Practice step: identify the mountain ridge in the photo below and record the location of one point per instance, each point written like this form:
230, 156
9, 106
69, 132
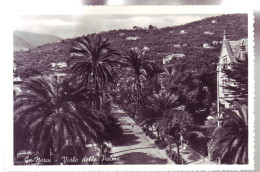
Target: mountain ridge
32, 40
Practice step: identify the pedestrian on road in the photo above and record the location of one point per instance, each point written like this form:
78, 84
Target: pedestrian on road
133, 125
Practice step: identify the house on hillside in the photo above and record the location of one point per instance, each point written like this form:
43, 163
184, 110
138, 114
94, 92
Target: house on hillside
208, 33
58, 66
132, 38
213, 21
177, 45
169, 57
17, 83
171, 31
230, 51
206, 45
215, 42
184, 45
183, 32
145, 48
121, 34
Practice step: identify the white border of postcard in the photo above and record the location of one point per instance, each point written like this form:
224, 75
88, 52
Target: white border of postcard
149, 10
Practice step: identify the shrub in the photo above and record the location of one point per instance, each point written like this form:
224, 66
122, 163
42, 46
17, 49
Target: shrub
162, 145
175, 157
150, 134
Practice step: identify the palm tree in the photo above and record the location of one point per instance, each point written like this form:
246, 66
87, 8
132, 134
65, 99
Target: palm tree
50, 115
230, 141
140, 66
157, 105
93, 57
167, 74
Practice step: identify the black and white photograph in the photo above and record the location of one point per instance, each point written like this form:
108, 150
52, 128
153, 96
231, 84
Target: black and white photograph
131, 89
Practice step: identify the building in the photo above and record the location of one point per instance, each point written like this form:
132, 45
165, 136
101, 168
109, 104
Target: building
121, 34
133, 38
208, 33
230, 51
177, 45
206, 45
171, 31
145, 48
183, 32
60, 65
213, 21
215, 42
169, 57
17, 83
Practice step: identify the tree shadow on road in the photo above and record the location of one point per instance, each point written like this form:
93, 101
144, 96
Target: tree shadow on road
130, 139
141, 158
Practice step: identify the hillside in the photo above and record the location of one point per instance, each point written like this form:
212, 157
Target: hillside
160, 41
20, 44
25, 40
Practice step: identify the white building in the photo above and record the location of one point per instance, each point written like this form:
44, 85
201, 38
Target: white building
207, 45
171, 31
183, 32
59, 65
168, 58
215, 42
177, 45
133, 38
213, 21
145, 48
229, 52
208, 33
121, 34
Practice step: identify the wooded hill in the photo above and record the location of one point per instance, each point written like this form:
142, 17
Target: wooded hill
160, 41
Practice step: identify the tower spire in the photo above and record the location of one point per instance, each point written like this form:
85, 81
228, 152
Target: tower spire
224, 35
242, 49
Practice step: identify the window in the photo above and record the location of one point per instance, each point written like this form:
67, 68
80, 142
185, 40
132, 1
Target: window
225, 83
225, 63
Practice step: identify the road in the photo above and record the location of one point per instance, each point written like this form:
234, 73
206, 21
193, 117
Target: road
137, 149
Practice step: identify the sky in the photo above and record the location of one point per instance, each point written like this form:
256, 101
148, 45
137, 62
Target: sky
69, 26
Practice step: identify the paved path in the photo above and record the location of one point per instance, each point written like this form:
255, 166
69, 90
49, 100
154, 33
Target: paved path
137, 149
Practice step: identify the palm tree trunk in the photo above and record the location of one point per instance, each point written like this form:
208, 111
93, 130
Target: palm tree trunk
158, 133
102, 96
138, 101
140, 90
178, 149
56, 145
96, 88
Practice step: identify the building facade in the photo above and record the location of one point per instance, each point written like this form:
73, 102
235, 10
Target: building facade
230, 51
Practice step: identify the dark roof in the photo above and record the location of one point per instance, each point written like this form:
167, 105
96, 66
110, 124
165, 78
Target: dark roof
233, 48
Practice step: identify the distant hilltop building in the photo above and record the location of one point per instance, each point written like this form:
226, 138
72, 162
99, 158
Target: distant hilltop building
230, 51
121, 34
132, 38
169, 57
207, 46
215, 42
59, 65
183, 32
177, 45
171, 31
213, 21
145, 48
208, 33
